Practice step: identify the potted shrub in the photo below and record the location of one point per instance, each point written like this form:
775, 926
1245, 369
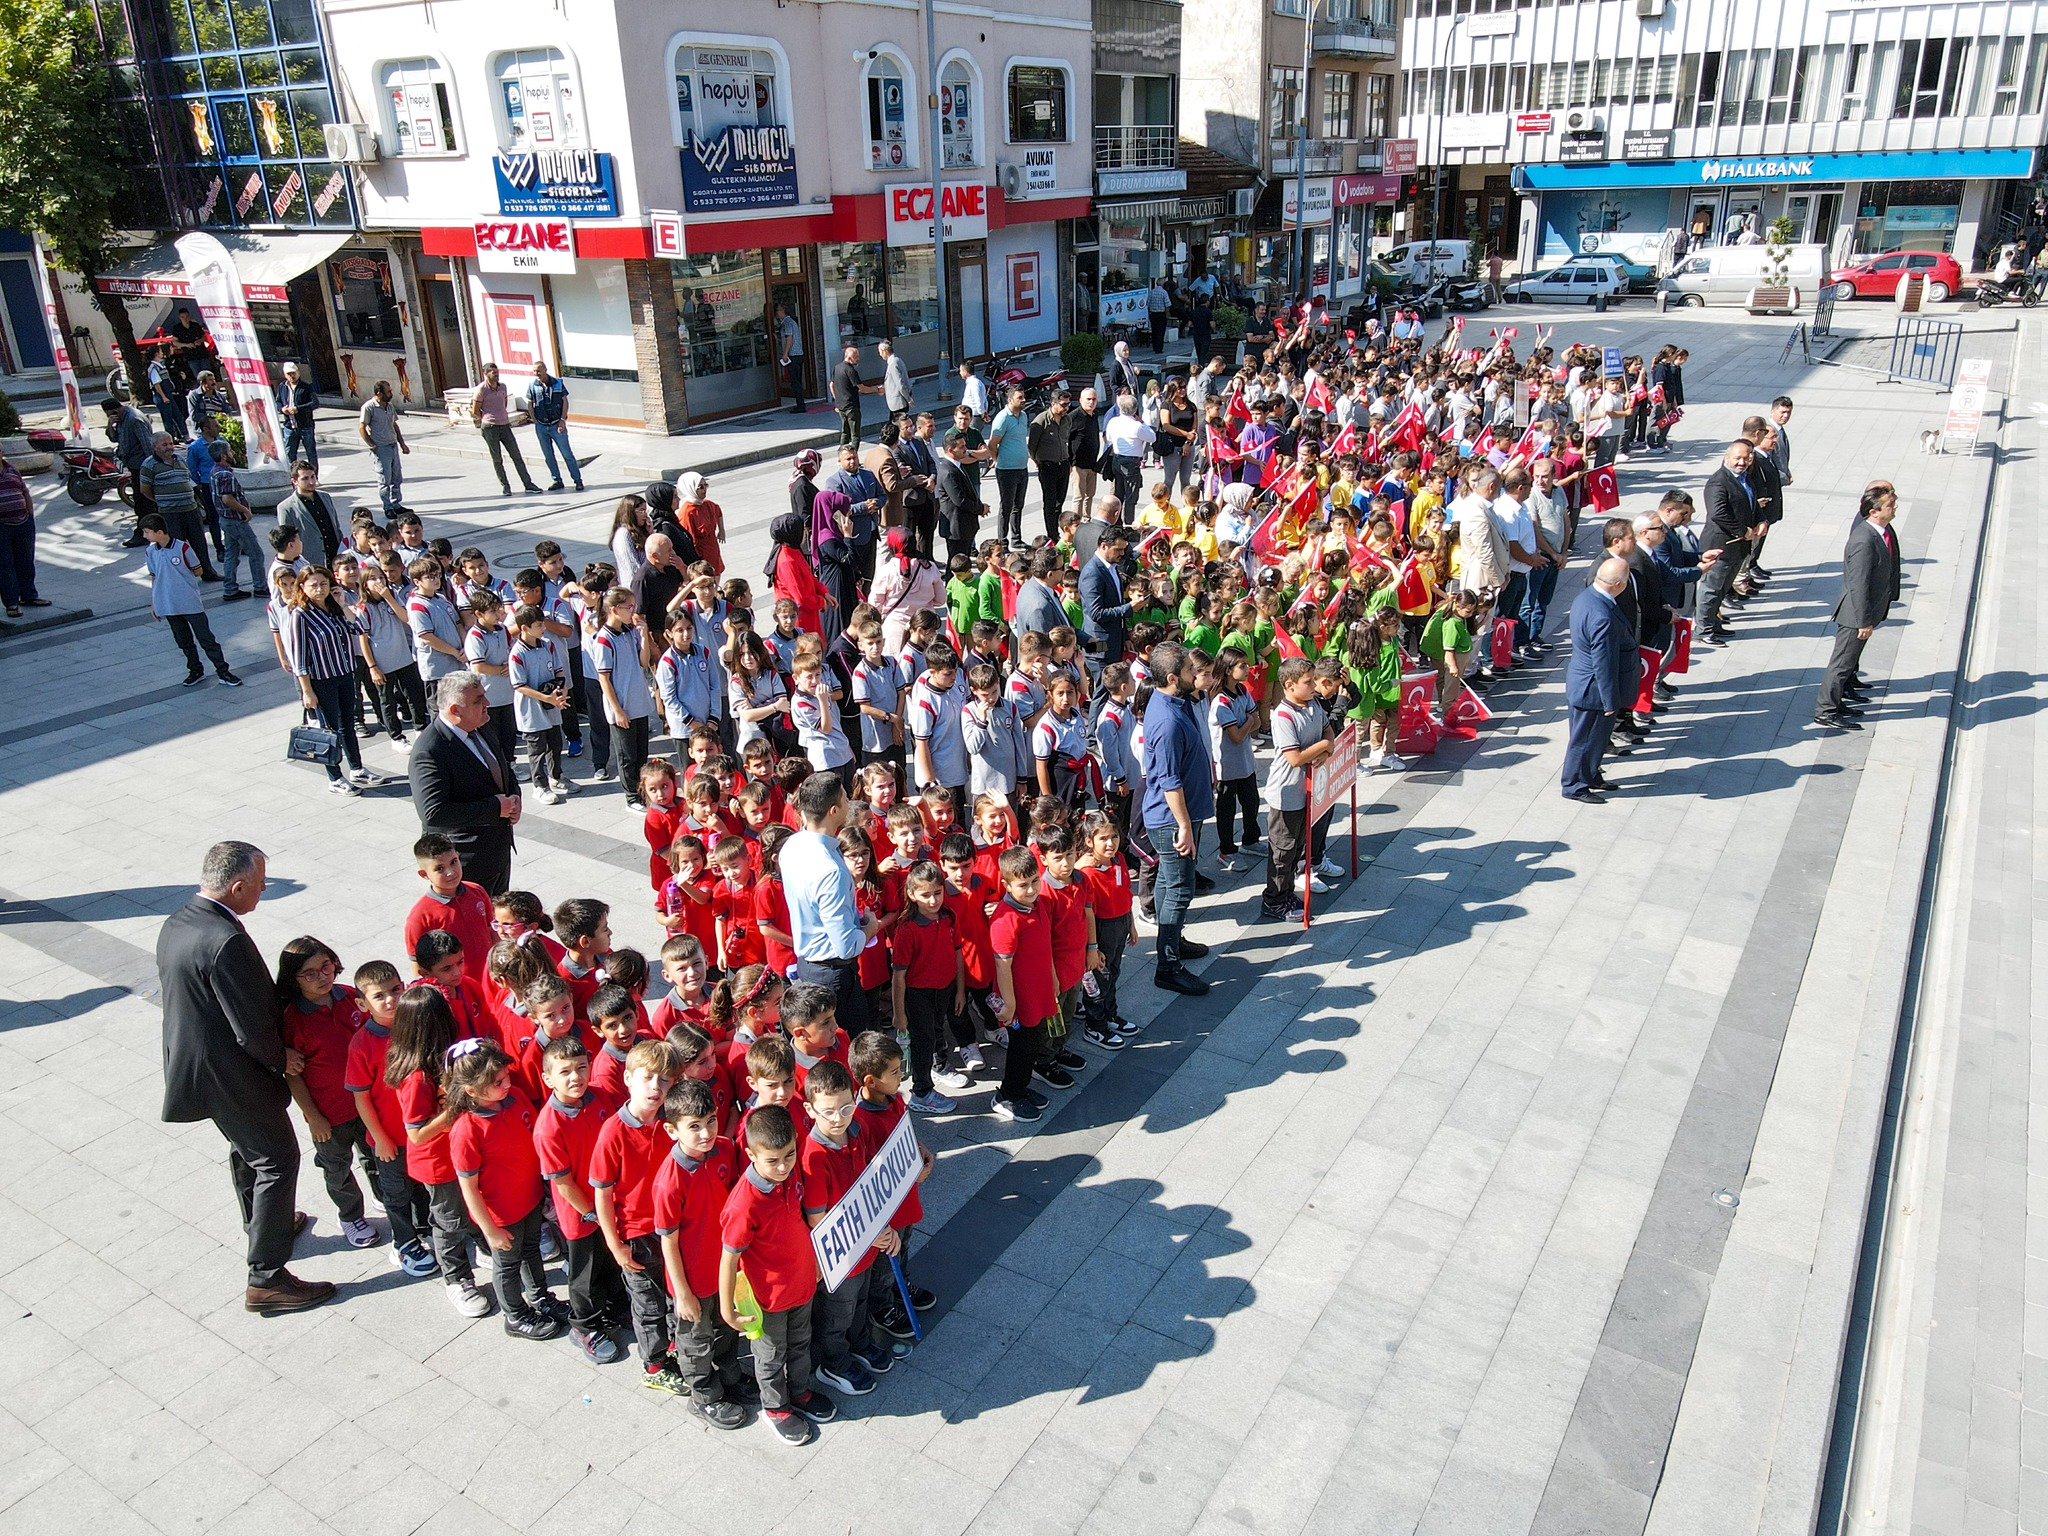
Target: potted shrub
1081, 355
1774, 296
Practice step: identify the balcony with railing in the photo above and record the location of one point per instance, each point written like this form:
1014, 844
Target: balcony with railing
1371, 157
1371, 35
1137, 147
1320, 154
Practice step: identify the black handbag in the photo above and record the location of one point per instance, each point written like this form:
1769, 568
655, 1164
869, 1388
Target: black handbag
312, 743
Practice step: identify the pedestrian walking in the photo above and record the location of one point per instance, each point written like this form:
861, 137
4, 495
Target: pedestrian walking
547, 402
377, 425
490, 407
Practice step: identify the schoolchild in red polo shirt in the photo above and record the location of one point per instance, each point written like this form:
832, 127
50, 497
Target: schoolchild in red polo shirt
319, 1020
519, 915
810, 1016
514, 966
930, 981
423, 1030
876, 1063
584, 926
1027, 995
663, 823
771, 905
550, 1016
618, 1031
699, 1061
627, 967
451, 903
1108, 880
765, 1237
379, 988
443, 965
1064, 900
971, 898
689, 901
565, 1132
690, 1193
628, 1155
491, 1144
739, 935
683, 967
830, 1159
771, 1083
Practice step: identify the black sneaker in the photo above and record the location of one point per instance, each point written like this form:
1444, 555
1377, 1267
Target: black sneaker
229, 680
1192, 949
1073, 1061
722, 1414
791, 1428
923, 1299
1105, 1039
896, 1324
1036, 1099
879, 1359
1054, 1074
195, 677
533, 1325
816, 1406
1009, 1109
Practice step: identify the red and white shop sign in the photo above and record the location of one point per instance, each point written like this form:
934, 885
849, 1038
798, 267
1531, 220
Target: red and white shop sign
525, 245
515, 323
665, 230
909, 210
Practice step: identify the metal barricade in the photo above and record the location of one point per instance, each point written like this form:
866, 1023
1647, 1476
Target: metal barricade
1824, 310
1925, 352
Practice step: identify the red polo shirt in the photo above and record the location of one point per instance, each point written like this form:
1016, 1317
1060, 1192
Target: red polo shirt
419, 1100
689, 1199
467, 915
627, 1156
1066, 908
877, 1120
1109, 889
366, 1053
495, 1147
564, 1139
969, 908
925, 950
828, 1172
763, 1223
1024, 938
322, 1033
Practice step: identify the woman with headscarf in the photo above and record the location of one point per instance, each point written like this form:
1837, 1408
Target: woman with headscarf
838, 570
789, 572
1234, 521
803, 491
663, 517
630, 528
702, 518
903, 584
1123, 373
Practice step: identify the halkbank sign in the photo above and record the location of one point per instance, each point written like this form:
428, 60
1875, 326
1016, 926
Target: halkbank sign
1917, 165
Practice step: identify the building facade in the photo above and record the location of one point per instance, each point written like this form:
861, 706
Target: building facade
1546, 128
1302, 91
629, 193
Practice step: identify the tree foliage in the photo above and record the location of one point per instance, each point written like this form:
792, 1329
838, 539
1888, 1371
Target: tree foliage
63, 161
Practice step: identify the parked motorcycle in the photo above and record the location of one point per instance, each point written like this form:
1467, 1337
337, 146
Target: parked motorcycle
89, 473
2023, 290
1006, 373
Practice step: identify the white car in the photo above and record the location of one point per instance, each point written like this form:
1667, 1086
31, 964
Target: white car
1576, 282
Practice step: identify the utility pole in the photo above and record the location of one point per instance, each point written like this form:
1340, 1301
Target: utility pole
1308, 30
932, 116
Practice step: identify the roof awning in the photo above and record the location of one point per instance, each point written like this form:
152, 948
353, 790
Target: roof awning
1148, 208
266, 262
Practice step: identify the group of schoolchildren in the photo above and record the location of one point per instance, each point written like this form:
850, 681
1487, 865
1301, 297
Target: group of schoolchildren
518, 1098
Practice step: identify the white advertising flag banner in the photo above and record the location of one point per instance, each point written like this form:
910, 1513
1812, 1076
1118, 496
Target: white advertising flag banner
74, 406
217, 290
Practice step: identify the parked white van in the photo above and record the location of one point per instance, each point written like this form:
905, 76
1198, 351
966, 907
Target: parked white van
1420, 260
1726, 273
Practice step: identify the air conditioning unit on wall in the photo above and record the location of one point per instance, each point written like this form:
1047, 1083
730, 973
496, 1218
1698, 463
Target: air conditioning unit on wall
1582, 120
351, 143
1011, 178
1649, 10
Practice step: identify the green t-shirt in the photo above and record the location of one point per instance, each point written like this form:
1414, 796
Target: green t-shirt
991, 604
1445, 631
1075, 612
963, 601
1201, 637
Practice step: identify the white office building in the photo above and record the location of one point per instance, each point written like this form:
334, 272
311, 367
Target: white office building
1872, 126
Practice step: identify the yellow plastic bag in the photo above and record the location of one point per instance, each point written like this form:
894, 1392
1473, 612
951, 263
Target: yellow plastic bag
747, 1307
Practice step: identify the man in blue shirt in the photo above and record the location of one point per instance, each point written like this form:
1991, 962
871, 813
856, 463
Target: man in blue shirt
1180, 794
826, 929
547, 402
1009, 437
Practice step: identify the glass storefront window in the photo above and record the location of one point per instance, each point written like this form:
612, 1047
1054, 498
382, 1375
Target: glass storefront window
856, 300
913, 291
722, 324
1126, 254
365, 306
1907, 215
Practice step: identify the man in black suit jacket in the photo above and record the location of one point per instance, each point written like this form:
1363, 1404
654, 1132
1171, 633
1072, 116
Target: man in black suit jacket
1105, 605
1734, 513
959, 498
460, 788
1867, 592
1769, 484
225, 1061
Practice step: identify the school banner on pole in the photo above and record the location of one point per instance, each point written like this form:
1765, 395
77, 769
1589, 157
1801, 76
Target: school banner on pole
74, 406
852, 1226
217, 290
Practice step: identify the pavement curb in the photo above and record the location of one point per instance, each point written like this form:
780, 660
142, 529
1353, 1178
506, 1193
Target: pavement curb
54, 618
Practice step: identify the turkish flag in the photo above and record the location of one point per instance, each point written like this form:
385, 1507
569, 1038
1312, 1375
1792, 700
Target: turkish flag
1504, 643
1416, 732
1603, 489
1409, 428
1286, 645
1150, 539
1237, 409
1344, 442
1646, 697
1350, 336
1267, 541
1466, 713
1220, 449
1510, 333
1482, 445
1411, 590
1681, 646
1317, 396
1277, 469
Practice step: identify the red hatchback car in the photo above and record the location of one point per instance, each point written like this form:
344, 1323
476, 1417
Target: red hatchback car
1878, 277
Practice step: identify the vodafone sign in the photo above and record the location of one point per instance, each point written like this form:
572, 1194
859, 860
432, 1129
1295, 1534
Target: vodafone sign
525, 245
909, 210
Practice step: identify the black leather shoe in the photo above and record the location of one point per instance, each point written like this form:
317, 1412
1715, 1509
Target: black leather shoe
1837, 723
1192, 949
1179, 979
1587, 797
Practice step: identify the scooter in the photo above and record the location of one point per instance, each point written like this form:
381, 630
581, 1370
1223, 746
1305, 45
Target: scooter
2023, 290
89, 473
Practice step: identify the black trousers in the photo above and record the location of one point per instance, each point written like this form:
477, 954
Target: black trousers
782, 1358
331, 1157
1011, 485
504, 731
404, 696
1234, 796
1842, 663
653, 1330
263, 1162
844, 979
631, 746
335, 701
452, 1230
708, 1351
1288, 834
517, 1274
1112, 936
193, 632
593, 710
849, 424
500, 441
594, 1284
1052, 489
544, 756
1021, 1050
839, 1321
926, 1010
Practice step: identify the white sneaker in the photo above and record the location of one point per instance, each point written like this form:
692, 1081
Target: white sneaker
1393, 761
1317, 884
363, 777
947, 1077
1330, 870
970, 1061
465, 1298
554, 795
342, 787
566, 785
360, 1234
401, 746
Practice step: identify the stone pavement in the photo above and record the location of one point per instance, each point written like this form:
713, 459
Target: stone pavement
1409, 1227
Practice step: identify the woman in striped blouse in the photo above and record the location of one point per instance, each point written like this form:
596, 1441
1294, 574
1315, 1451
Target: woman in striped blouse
322, 639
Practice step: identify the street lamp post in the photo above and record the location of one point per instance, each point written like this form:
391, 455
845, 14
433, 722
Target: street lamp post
932, 116
1308, 30
1436, 171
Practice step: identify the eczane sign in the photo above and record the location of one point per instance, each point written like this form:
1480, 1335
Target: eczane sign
909, 209
525, 245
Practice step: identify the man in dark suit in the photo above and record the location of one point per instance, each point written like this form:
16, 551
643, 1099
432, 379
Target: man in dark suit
1038, 605
1593, 679
225, 1061
461, 788
1769, 485
1868, 590
959, 498
1733, 515
917, 461
1105, 609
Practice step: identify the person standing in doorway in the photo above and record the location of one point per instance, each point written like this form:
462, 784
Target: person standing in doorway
377, 426
847, 389
298, 402
789, 345
225, 1061
491, 409
547, 402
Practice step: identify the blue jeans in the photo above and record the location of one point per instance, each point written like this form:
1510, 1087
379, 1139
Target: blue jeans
1536, 602
238, 541
299, 444
390, 476
1173, 889
554, 434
